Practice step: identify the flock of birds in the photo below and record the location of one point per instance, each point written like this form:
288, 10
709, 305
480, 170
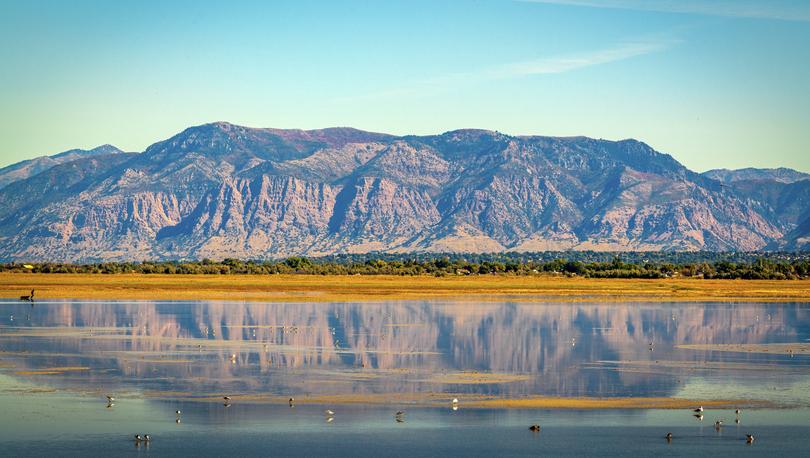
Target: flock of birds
329, 414
399, 417
718, 424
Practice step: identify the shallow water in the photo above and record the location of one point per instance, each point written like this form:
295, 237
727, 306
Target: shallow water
59, 358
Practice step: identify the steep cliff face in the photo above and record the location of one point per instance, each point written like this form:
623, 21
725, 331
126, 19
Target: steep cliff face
268, 216
220, 190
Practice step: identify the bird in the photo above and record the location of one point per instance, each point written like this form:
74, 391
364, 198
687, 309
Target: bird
699, 416
146, 438
292, 400
718, 423
138, 438
699, 409
455, 400
110, 398
535, 427
749, 438
227, 398
29, 298
669, 437
737, 412
328, 412
177, 412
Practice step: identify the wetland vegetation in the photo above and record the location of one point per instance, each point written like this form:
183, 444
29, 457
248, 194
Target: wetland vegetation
752, 266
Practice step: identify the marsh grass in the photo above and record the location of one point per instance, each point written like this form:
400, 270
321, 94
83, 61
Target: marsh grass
331, 288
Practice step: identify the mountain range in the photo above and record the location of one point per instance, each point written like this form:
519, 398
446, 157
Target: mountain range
220, 190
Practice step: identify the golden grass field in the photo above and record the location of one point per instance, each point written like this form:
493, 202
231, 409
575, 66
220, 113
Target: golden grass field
472, 401
296, 288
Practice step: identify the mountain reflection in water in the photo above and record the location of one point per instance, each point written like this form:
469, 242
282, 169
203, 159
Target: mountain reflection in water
507, 349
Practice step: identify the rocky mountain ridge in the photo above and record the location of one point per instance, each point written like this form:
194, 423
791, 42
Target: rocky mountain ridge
31, 167
220, 190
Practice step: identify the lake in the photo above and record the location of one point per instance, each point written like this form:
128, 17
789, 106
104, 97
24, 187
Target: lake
60, 359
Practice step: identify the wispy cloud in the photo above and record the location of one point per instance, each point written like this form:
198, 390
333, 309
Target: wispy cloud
562, 64
785, 10
541, 66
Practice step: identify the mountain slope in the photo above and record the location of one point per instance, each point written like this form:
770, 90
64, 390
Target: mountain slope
781, 175
31, 167
220, 190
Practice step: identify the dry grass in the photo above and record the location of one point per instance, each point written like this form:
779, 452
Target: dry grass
773, 348
53, 370
607, 403
295, 288
472, 401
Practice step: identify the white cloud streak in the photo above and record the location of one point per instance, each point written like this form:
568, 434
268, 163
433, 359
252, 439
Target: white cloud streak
752, 9
535, 67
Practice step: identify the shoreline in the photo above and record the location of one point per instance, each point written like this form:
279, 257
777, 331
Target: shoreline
356, 288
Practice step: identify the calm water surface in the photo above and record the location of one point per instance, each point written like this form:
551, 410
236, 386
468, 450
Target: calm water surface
58, 359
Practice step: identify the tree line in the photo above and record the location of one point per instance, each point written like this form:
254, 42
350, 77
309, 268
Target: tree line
585, 264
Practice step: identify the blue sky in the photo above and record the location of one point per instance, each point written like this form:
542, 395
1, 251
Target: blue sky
715, 84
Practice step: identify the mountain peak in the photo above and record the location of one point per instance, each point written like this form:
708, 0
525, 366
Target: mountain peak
25, 169
98, 150
780, 174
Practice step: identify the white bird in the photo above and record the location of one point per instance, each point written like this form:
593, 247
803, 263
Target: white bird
328, 412
737, 411
699, 409
110, 398
455, 400
177, 412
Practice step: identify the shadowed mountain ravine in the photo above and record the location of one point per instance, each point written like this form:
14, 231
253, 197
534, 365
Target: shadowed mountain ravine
220, 190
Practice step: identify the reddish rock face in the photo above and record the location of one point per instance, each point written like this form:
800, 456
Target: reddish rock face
220, 190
